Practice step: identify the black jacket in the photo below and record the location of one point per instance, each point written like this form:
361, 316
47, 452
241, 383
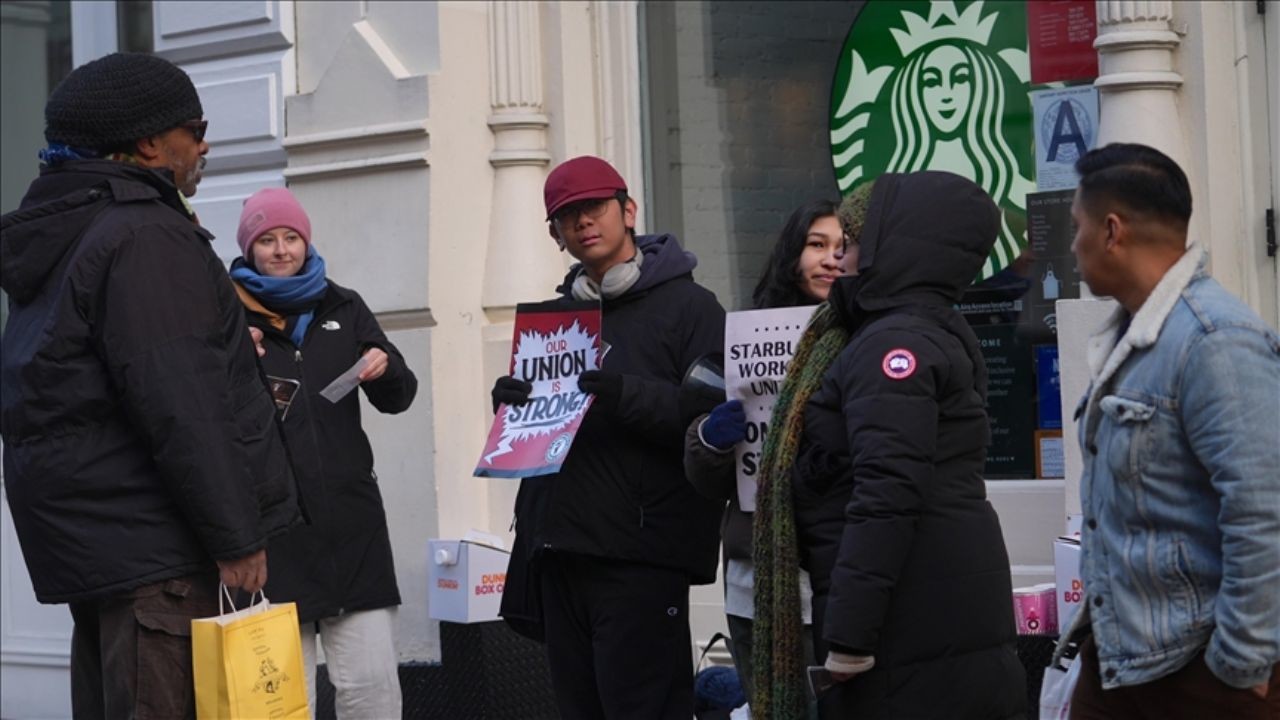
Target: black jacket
621, 493
915, 570
342, 561
140, 441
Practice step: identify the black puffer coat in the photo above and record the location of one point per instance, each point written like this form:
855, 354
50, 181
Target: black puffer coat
622, 493
906, 551
140, 441
342, 561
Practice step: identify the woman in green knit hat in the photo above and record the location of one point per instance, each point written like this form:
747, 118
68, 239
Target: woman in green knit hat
872, 479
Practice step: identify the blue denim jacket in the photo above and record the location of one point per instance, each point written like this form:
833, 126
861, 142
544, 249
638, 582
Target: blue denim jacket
1180, 436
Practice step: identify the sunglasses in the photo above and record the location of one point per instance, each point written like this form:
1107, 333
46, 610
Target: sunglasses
197, 128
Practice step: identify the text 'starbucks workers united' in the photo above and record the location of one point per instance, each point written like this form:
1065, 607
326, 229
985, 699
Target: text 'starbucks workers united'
939, 86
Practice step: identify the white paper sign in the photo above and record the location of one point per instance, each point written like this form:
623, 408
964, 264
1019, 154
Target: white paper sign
1065, 121
758, 345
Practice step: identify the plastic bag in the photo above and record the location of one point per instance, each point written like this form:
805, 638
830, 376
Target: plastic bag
1055, 691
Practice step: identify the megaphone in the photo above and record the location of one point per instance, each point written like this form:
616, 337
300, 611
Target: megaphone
703, 387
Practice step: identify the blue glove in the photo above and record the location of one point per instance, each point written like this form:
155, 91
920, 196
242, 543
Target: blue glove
726, 426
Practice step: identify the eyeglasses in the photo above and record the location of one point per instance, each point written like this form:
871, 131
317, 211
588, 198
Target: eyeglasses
197, 128
592, 208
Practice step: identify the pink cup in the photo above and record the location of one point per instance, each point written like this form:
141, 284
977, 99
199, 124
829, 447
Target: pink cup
1035, 610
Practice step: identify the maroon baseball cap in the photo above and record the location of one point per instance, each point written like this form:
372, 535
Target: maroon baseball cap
582, 178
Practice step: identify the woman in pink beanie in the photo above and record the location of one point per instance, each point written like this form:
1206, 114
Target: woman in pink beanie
339, 568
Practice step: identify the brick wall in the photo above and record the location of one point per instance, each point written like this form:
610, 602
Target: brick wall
738, 98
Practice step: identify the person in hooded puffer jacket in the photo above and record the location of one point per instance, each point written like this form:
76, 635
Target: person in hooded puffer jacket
606, 548
912, 578
339, 569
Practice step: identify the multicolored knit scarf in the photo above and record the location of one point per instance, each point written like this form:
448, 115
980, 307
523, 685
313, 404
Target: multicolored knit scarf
777, 652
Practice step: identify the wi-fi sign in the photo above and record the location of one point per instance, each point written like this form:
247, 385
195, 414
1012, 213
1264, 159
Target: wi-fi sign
1052, 321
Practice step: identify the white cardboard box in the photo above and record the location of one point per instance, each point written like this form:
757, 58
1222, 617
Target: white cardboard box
1066, 571
465, 579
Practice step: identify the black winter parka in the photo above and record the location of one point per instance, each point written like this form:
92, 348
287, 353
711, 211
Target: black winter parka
341, 562
906, 552
140, 440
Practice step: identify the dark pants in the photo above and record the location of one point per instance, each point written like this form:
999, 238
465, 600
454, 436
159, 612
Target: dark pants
131, 653
1193, 693
617, 637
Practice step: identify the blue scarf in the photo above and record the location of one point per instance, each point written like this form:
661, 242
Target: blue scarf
296, 295
58, 153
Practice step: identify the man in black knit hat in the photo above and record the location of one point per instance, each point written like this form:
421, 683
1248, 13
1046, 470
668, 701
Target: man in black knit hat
142, 459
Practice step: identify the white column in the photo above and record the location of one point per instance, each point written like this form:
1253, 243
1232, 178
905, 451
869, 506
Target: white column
93, 30
1138, 90
616, 40
1138, 83
521, 263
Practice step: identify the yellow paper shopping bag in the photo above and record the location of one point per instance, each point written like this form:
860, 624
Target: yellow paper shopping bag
248, 664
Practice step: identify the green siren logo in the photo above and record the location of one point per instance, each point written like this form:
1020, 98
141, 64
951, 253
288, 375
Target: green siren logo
931, 86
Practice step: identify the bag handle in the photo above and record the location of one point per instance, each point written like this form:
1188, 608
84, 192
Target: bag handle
710, 643
1072, 638
226, 594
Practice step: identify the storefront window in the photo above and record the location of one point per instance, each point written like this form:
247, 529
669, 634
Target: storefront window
755, 108
133, 26
737, 115
35, 54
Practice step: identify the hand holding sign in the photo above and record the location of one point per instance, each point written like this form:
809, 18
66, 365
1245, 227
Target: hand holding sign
726, 426
510, 391
539, 407
606, 386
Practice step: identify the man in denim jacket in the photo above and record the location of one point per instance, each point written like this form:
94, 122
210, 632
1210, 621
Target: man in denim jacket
1180, 433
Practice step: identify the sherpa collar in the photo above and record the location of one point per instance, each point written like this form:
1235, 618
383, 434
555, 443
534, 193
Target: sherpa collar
1106, 354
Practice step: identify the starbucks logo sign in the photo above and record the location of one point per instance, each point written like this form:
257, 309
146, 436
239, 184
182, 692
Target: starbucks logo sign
939, 86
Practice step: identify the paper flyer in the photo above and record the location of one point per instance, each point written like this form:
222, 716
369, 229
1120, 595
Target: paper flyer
344, 383
1066, 127
758, 345
553, 344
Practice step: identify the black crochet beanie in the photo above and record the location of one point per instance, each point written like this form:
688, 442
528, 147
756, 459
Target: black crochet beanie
117, 99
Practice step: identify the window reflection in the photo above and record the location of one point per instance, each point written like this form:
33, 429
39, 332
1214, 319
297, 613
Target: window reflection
35, 54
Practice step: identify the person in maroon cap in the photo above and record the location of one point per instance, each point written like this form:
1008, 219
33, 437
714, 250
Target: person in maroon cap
606, 549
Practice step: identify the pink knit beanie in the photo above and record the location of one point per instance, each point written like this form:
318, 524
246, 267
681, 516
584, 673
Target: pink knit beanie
269, 209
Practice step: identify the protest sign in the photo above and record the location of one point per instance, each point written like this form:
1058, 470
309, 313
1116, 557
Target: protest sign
553, 344
758, 345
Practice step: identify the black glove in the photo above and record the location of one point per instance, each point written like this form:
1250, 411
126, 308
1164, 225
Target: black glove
510, 391
606, 386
